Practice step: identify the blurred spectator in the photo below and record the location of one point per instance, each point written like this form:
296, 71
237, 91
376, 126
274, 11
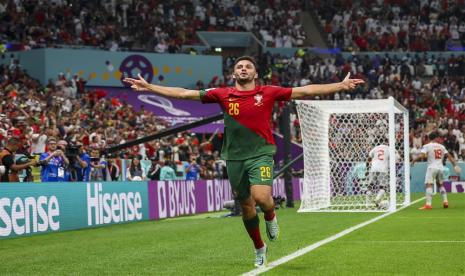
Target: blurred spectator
451, 144
220, 166
154, 170
38, 142
98, 167
167, 172
135, 172
461, 156
192, 169
113, 169
207, 168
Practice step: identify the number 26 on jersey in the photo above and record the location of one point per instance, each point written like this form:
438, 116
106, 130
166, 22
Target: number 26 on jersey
233, 109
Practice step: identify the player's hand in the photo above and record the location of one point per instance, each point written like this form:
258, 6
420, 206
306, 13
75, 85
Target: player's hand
349, 83
139, 84
457, 169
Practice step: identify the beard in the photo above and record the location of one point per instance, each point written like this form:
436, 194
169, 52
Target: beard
243, 81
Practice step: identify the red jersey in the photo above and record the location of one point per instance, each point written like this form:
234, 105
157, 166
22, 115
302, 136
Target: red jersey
247, 117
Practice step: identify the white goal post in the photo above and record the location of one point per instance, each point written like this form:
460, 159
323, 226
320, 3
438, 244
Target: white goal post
337, 137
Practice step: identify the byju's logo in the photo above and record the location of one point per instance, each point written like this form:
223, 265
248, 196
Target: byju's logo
29, 215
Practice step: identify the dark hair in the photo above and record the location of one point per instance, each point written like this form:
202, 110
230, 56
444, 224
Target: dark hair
433, 135
133, 167
249, 58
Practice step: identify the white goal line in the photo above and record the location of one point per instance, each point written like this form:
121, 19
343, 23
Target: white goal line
314, 246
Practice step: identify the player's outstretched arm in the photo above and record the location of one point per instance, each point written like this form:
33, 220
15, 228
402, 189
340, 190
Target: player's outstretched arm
140, 84
325, 89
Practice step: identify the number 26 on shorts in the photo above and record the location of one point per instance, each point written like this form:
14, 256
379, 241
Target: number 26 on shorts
265, 172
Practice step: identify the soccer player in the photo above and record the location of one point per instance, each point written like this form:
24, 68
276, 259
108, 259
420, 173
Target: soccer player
248, 144
434, 151
378, 170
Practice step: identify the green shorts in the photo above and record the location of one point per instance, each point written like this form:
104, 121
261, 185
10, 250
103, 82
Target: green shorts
243, 173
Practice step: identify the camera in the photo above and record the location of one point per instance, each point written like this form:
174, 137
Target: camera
41, 163
24, 160
71, 152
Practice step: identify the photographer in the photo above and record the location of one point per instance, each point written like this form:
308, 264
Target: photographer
61, 145
98, 167
8, 168
80, 163
53, 163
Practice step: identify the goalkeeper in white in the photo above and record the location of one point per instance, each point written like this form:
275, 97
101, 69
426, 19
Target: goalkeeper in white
434, 151
378, 171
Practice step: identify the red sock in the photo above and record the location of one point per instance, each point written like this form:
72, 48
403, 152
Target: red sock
252, 227
269, 216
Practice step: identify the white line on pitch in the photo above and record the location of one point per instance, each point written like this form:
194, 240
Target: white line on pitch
403, 242
454, 218
314, 246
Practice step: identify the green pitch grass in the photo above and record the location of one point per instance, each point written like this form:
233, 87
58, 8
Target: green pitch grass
410, 242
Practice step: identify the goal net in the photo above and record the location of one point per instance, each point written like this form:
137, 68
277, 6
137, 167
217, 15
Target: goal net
337, 137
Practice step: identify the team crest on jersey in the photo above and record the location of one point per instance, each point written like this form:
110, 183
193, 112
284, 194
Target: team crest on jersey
258, 99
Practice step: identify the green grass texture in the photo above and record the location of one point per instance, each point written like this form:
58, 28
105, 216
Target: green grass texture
409, 242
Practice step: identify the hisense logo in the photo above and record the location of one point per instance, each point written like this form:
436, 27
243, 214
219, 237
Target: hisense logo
29, 215
104, 208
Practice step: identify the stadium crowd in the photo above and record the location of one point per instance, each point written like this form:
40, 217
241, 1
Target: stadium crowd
65, 113
160, 26
393, 25
164, 26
